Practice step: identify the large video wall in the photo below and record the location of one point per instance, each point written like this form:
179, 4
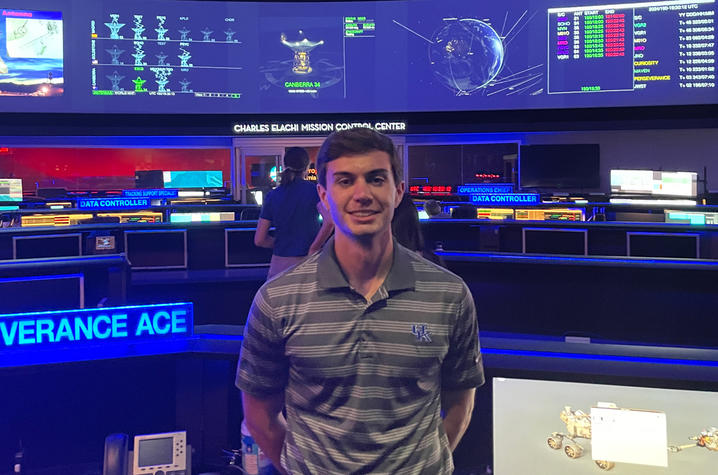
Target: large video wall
90, 56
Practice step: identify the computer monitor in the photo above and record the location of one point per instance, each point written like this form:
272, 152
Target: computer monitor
47, 245
42, 292
555, 241
10, 189
544, 426
654, 182
156, 249
660, 244
192, 179
149, 179
560, 167
240, 251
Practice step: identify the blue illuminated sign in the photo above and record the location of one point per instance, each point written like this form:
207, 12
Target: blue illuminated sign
112, 203
156, 193
90, 326
485, 188
523, 199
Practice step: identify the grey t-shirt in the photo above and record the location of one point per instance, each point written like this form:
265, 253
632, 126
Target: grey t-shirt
362, 379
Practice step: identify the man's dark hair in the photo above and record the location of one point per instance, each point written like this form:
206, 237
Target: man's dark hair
405, 225
432, 207
406, 228
347, 143
296, 160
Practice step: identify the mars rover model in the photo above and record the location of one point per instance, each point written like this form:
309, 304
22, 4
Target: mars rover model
578, 426
708, 438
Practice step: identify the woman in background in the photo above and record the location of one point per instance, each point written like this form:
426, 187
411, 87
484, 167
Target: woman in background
406, 229
293, 209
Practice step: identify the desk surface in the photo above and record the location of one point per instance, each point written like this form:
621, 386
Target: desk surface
500, 350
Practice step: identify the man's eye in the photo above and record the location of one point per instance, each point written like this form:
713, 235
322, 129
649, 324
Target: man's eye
378, 180
343, 181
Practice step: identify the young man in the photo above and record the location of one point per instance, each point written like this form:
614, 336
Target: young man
433, 209
365, 343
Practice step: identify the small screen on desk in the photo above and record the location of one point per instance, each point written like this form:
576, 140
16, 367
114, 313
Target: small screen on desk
105, 243
155, 452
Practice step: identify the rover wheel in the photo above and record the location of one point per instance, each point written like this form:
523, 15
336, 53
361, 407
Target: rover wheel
554, 442
574, 451
605, 464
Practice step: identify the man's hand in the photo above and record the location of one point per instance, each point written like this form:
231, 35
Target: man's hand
325, 231
264, 419
262, 238
457, 406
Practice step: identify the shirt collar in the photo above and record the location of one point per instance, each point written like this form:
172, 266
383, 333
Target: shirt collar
331, 276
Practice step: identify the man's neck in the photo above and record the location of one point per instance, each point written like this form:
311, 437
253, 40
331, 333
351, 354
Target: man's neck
365, 262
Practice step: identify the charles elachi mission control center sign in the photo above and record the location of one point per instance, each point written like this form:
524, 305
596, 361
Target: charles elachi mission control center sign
314, 128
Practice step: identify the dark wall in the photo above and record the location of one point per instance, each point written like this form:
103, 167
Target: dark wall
61, 414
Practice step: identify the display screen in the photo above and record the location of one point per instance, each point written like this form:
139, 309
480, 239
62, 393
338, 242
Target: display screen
650, 182
10, 189
337, 57
155, 452
104, 243
192, 179
577, 428
31, 53
563, 167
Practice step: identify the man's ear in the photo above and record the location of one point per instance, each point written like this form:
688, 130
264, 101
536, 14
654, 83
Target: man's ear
399, 193
322, 192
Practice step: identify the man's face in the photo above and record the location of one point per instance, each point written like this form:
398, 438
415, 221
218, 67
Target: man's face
361, 193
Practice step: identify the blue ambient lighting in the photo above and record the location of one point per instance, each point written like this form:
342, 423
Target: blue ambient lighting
112, 203
584, 356
577, 259
70, 328
485, 188
42, 277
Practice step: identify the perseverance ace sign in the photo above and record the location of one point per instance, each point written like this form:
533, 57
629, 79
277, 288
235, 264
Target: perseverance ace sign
75, 328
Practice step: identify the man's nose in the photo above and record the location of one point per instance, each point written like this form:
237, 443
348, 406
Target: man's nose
361, 191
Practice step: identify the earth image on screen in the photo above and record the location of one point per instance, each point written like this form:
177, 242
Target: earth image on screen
466, 55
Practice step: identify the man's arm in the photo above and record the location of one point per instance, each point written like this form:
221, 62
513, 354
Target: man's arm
264, 419
261, 235
325, 231
457, 406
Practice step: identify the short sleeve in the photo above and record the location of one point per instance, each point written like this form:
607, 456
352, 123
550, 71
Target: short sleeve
268, 206
263, 367
463, 366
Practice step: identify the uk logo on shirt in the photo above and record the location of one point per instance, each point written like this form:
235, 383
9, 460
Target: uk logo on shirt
421, 332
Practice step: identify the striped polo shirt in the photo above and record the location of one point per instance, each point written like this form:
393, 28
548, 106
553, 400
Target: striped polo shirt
362, 379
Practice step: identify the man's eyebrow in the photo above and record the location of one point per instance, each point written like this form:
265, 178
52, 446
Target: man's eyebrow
375, 172
378, 171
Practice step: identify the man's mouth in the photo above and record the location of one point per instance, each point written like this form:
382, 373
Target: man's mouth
363, 213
